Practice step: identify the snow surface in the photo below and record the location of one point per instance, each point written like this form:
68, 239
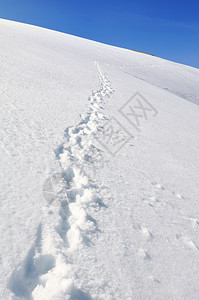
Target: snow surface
76, 221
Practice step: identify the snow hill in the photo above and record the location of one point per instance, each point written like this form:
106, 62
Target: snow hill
99, 170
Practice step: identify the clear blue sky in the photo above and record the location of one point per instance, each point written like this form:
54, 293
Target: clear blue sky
169, 29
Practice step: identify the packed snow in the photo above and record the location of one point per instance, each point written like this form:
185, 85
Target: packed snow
99, 170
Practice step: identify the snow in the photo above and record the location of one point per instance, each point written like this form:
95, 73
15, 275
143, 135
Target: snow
99, 170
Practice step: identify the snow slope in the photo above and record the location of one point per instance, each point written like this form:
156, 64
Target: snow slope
76, 221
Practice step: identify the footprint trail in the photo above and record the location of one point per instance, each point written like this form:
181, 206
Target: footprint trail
48, 272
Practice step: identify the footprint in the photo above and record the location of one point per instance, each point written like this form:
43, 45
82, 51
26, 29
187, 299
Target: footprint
194, 222
26, 276
153, 201
145, 232
144, 254
178, 195
155, 280
187, 241
158, 185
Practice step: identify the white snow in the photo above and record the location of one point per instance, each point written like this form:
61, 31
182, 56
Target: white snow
99, 189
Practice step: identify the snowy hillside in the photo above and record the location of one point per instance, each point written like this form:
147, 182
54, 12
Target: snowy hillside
99, 170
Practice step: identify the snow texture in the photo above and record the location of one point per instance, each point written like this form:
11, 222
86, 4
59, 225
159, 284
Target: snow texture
99, 170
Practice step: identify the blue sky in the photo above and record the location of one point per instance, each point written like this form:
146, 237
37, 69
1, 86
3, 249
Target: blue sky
169, 29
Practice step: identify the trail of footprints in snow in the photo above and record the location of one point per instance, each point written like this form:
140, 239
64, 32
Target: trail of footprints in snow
47, 272
155, 201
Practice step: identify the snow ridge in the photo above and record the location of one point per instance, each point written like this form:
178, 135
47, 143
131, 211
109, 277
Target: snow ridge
48, 272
